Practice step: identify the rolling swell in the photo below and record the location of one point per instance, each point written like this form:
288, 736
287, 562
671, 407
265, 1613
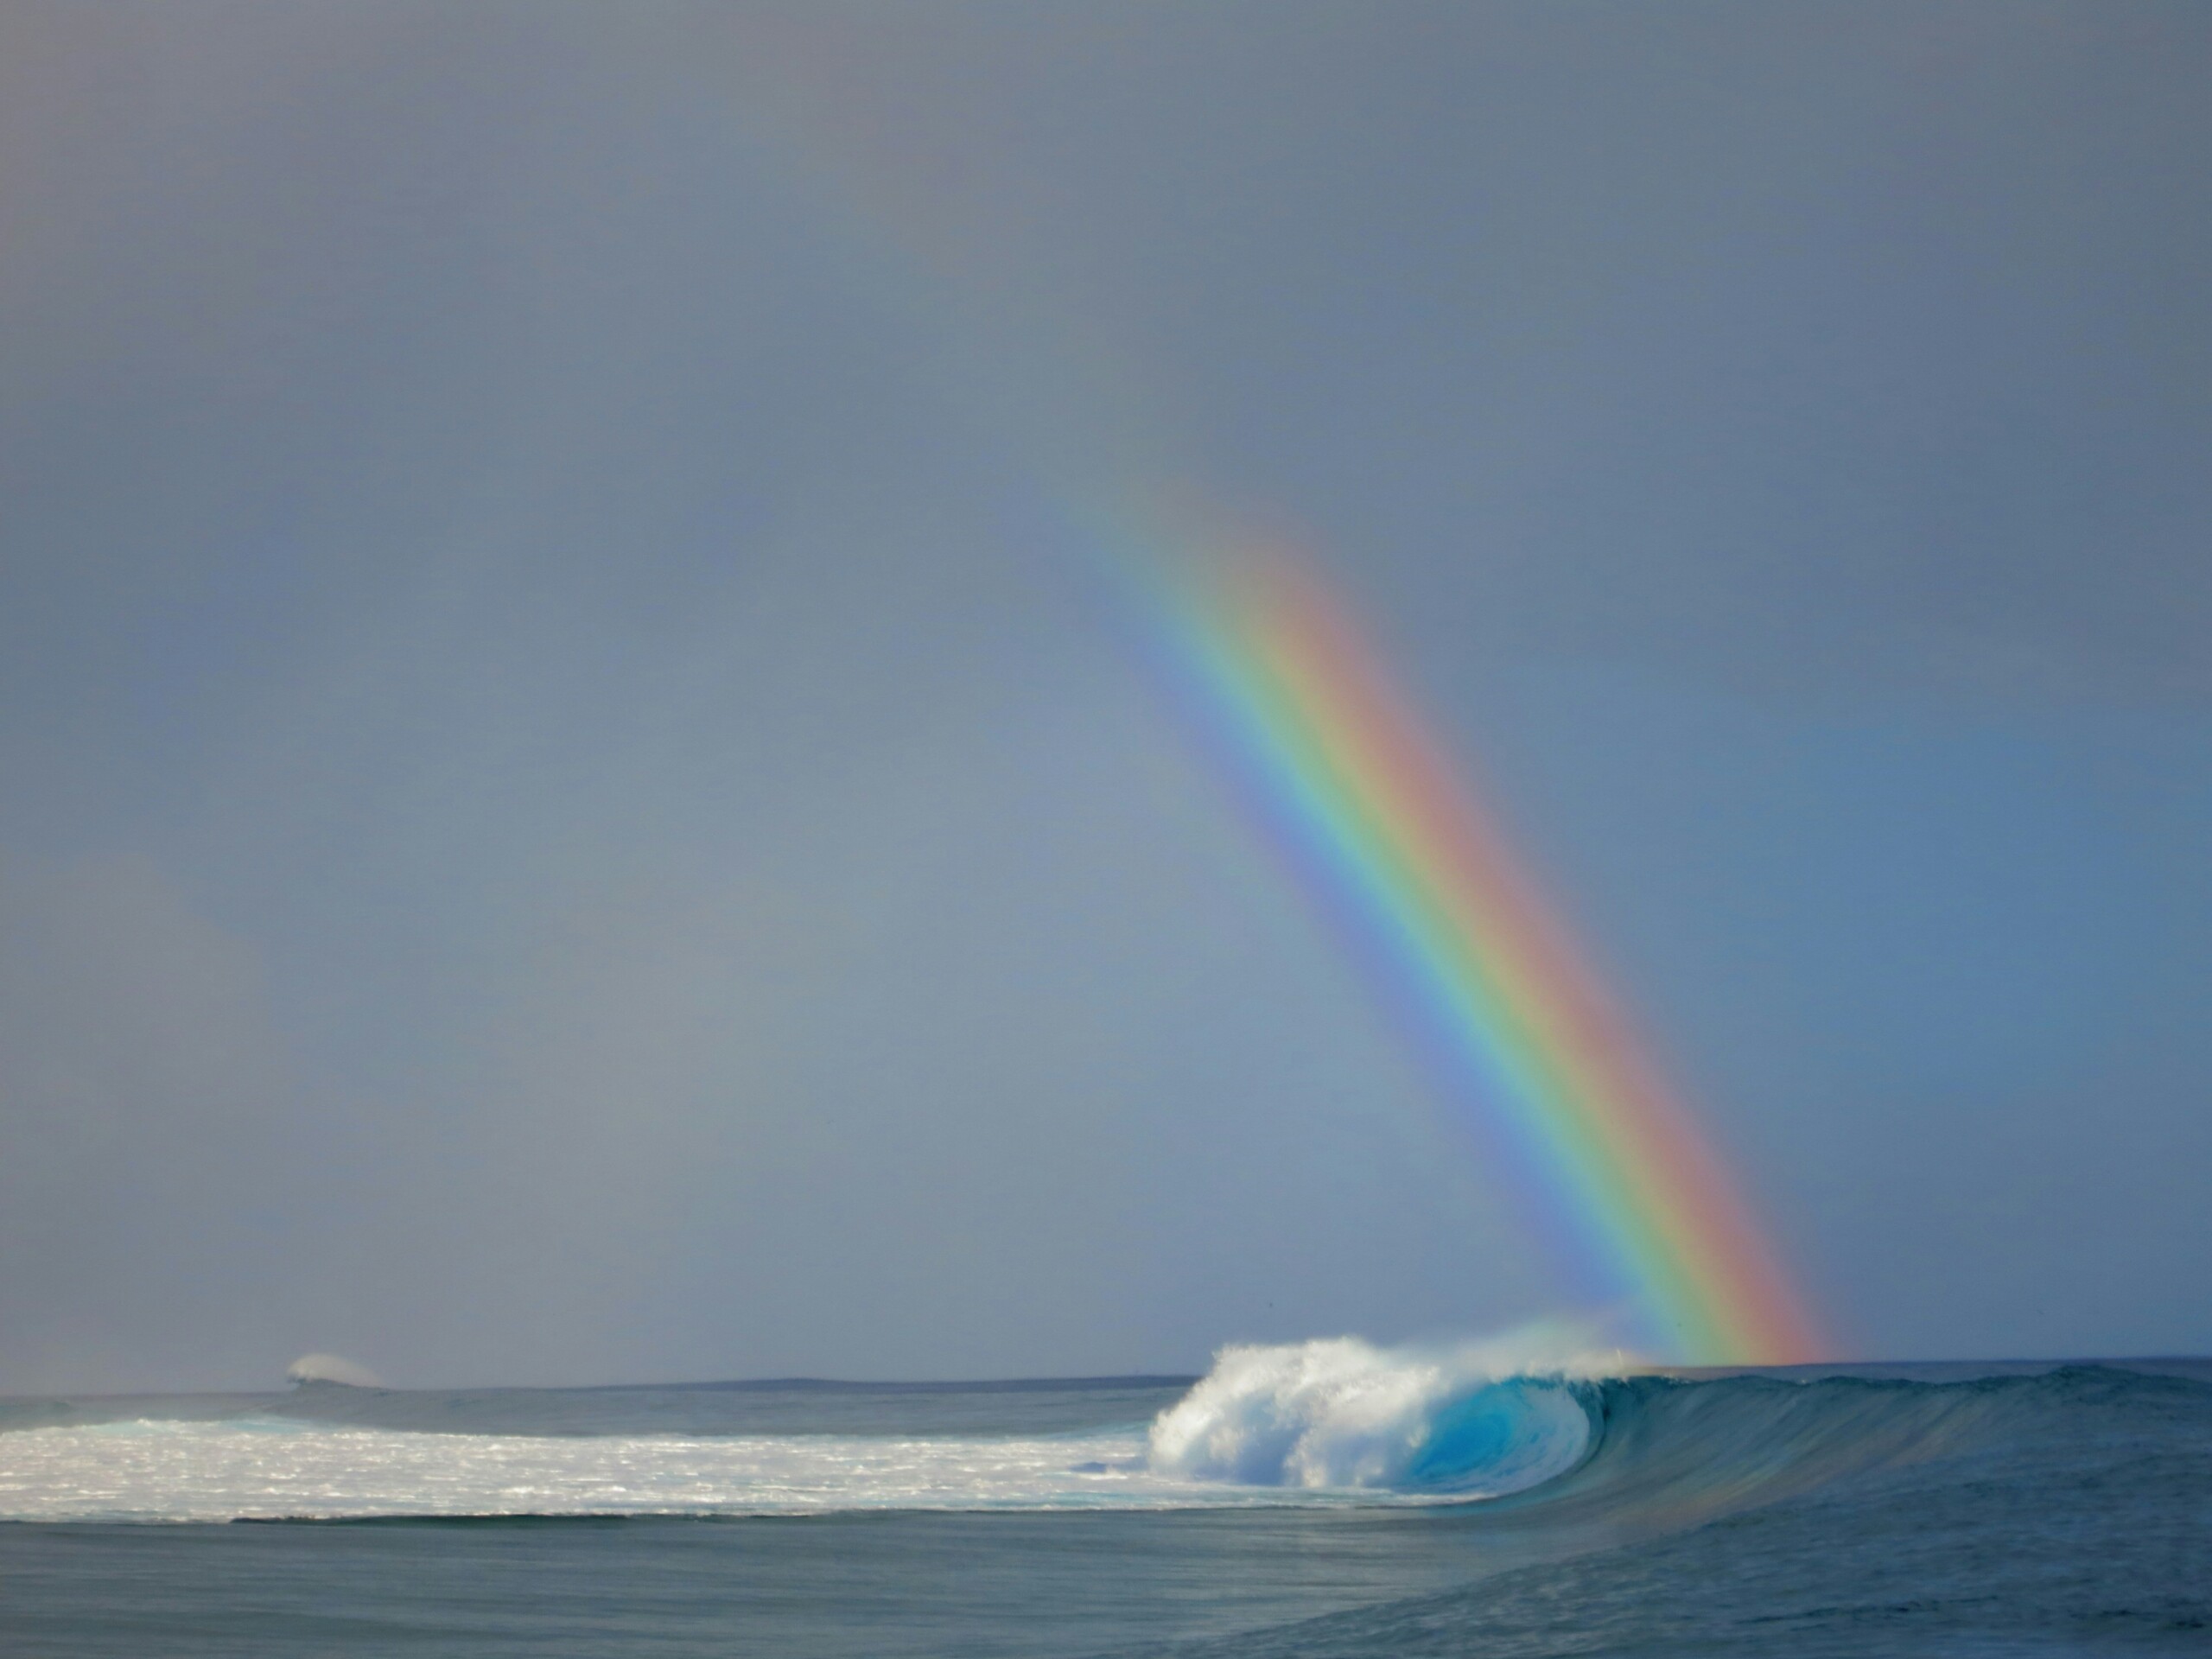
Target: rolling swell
1623, 1456
1670, 1452
2061, 1511
1474, 1424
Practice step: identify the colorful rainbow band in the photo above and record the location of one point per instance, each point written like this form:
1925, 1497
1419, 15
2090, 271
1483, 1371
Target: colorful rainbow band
1396, 845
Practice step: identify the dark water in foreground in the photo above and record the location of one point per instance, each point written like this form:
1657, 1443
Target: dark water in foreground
1910, 1510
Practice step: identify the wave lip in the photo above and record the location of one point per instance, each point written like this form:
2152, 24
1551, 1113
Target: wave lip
1341, 1413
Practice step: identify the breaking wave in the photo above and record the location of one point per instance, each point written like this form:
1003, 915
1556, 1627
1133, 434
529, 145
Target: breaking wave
1344, 1413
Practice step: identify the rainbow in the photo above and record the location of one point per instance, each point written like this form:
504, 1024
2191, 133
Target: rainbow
1393, 845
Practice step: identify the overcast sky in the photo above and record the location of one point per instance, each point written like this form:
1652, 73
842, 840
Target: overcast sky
560, 821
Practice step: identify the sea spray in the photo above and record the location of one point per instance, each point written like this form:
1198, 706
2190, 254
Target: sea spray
332, 1368
1482, 1419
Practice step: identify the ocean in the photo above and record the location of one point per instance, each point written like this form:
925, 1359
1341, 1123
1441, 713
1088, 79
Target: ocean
1316, 1499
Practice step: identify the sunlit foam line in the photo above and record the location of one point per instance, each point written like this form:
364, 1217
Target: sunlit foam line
1404, 857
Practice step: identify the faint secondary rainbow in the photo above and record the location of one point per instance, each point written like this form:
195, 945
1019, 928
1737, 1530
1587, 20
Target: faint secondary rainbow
1398, 850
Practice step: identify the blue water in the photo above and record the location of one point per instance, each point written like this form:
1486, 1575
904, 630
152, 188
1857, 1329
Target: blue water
1325, 1501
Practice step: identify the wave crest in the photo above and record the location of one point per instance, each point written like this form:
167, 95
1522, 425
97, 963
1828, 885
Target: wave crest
1339, 1412
332, 1368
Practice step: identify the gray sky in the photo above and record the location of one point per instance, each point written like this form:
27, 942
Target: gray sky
561, 823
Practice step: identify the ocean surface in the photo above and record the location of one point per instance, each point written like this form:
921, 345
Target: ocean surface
1324, 1498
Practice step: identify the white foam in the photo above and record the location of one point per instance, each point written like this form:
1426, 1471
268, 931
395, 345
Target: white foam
1340, 1413
332, 1368
1328, 1421
281, 1468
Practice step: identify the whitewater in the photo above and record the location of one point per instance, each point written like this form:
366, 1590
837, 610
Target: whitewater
1337, 1422
1323, 1497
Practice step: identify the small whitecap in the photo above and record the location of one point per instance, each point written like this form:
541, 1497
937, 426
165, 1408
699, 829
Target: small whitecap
332, 1368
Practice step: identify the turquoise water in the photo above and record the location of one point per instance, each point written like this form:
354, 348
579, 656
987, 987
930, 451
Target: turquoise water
1406, 1507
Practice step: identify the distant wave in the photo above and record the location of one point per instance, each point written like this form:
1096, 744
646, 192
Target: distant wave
2057, 1509
332, 1368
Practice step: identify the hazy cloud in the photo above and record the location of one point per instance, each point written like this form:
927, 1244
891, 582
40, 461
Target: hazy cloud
570, 816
